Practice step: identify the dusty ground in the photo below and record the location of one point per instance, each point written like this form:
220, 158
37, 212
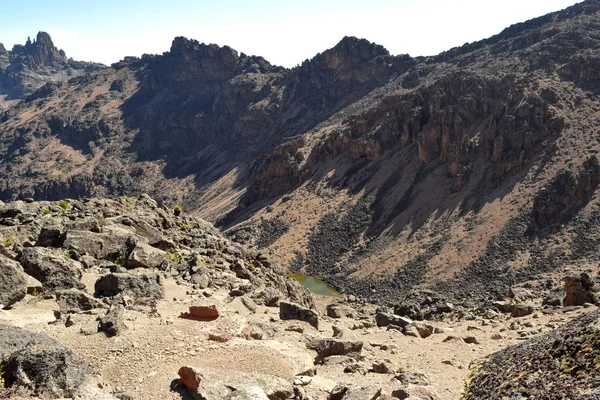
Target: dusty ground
144, 360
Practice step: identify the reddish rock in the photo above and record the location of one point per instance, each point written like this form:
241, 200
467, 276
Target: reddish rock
203, 312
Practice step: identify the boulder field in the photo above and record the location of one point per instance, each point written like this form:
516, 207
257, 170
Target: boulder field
123, 299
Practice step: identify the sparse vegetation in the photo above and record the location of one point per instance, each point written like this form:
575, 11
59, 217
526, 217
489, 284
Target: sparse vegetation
47, 211
63, 204
8, 241
177, 210
67, 255
173, 257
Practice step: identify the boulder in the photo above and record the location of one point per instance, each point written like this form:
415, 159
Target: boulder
13, 282
519, 294
39, 364
521, 310
337, 347
416, 392
52, 234
112, 323
204, 311
140, 286
102, 246
212, 384
269, 297
337, 310
145, 256
292, 311
74, 300
579, 290
385, 319
51, 267
343, 392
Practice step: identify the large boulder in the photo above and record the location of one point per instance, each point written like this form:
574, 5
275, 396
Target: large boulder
51, 267
288, 311
137, 286
102, 246
37, 363
145, 256
562, 364
212, 384
579, 290
74, 300
13, 282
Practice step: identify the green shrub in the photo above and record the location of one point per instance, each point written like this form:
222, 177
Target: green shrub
177, 210
251, 267
63, 204
47, 211
9, 241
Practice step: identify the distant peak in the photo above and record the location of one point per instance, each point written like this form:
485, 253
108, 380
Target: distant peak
44, 39
361, 47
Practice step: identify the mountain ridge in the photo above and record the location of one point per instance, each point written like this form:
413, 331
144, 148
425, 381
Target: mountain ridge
27, 67
355, 164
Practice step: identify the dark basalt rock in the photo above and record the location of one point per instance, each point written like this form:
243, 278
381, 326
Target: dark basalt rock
35, 362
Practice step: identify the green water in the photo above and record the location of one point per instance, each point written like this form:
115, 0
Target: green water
315, 285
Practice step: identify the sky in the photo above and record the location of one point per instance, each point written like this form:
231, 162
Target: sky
284, 32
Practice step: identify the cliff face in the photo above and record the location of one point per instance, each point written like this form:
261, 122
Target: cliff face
384, 172
27, 67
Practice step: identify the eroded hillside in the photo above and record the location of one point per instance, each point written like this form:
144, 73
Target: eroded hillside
394, 171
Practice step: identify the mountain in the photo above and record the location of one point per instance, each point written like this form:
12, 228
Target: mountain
463, 173
27, 67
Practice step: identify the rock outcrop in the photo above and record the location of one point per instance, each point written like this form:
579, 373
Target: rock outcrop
13, 282
560, 364
27, 67
402, 164
579, 290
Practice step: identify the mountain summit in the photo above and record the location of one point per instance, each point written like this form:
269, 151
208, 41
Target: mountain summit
29, 66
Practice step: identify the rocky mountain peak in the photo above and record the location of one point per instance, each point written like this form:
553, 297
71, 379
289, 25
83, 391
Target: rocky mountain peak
3, 55
38, 53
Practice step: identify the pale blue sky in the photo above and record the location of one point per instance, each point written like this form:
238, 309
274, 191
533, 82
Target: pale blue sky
284, 32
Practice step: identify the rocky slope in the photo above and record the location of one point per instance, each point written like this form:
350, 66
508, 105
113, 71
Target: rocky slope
26, 68
123, 299
377, 173
561, 364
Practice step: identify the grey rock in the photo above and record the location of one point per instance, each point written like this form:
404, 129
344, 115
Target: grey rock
211, 384
74, 300
40, 364
337, 347
385, 319
289, 311
145, 256
137, 286
337, 310
51, 267
112, 323
13, 282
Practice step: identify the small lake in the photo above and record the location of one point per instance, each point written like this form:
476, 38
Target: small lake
315, 285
